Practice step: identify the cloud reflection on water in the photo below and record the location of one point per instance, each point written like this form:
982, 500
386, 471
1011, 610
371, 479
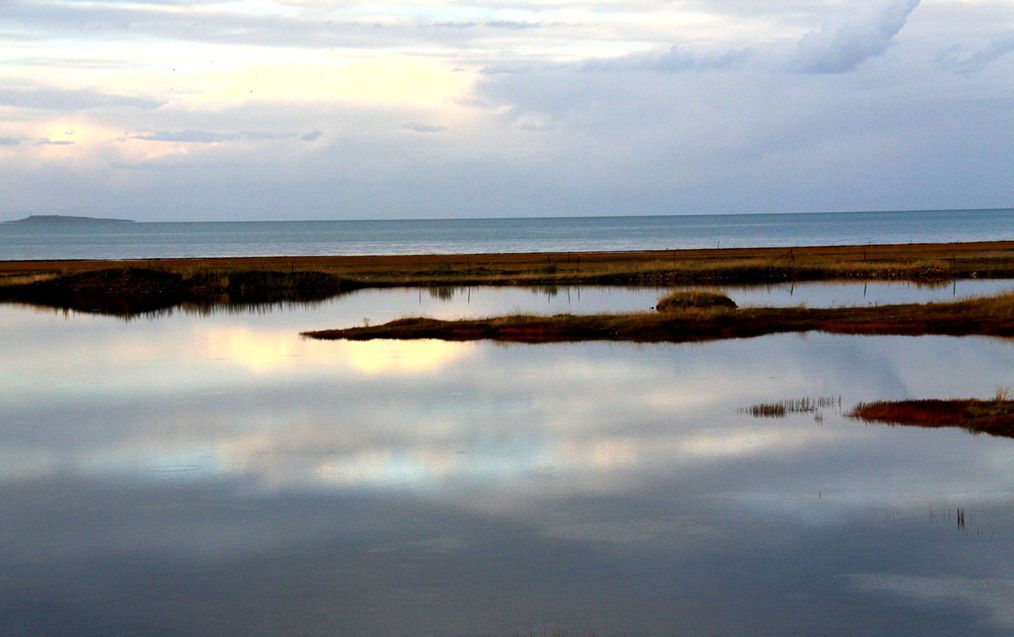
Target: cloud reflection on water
233, 478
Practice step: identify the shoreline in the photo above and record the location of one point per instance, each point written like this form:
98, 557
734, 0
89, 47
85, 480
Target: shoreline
953, 260
137, 286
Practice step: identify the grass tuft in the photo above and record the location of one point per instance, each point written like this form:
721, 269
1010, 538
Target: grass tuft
804, 405
694, 299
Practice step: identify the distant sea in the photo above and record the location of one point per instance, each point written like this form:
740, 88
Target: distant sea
76, 240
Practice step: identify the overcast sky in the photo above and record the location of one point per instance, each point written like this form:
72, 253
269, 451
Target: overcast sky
318, 109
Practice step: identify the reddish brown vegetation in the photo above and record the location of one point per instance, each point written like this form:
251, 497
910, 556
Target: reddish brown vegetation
988, 316
995, 417
126, 287
745, 265
129, 291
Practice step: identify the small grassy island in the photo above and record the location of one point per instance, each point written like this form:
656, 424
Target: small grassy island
992, 316
994, 416
694, 299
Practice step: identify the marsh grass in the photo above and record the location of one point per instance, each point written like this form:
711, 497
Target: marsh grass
993, 316
131, 291
767, 410
804, 405
270, 279
991, 416
921, 263
25, 279
694, 299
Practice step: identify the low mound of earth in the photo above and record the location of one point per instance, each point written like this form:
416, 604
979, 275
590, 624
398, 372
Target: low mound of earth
694, 299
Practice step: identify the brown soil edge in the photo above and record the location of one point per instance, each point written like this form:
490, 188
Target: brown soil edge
994, 417
917, 262
992, 316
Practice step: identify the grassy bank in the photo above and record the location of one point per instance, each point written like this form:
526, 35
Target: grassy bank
131, 291
129, 287
994, 417
916, 262
992, 316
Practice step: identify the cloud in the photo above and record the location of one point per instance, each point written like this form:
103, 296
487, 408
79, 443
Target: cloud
188, 136
207, 137
52, 99
491, 24
842, 47
513, 24
627, 108
675, 60
54, 142
218, 27
973, 62
424, 128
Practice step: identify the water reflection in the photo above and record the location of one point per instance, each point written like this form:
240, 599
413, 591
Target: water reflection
220, 475
384, 304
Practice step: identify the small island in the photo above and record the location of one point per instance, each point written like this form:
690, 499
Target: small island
994, 417
42, 219
687, 317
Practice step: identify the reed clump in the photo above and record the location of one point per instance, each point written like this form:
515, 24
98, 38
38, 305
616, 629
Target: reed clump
768, 410
694, 299
804, 405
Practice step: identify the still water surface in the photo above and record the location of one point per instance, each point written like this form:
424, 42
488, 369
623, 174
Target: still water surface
381, 305
220, 475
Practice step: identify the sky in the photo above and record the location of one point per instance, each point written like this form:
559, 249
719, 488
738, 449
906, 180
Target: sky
318, 109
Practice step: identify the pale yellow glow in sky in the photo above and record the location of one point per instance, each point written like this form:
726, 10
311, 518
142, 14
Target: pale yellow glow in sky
387, 81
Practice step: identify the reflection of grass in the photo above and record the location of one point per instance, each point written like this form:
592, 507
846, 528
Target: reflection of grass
768, 410
994, 416
804, 405
127, 291
984, 316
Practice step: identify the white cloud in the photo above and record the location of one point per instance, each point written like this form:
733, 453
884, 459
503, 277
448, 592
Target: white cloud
842, 46
971, 62
419, 127
445, 109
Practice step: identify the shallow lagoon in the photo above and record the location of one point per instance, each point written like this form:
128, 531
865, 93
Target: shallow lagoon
218, 474
379, 305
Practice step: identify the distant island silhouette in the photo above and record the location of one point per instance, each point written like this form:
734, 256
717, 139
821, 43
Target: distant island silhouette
68, 218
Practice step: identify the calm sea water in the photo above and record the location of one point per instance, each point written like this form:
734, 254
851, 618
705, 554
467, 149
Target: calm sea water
216, 474
186, 474
154, 240
213, 473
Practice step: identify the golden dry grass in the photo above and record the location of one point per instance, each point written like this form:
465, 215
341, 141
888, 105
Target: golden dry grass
919, 262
